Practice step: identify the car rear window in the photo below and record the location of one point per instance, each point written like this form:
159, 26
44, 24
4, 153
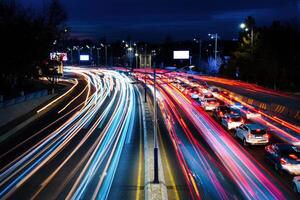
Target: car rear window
258, 132
236, 119
292, 152
212, 101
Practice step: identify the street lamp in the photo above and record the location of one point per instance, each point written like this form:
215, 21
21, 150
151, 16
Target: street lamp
136, 59
78, 48
215, 36
199, 41
71, 50
105, 47
246, 28
156, 178
98, 55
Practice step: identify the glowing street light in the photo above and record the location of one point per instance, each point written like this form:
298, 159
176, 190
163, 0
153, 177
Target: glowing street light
244, 27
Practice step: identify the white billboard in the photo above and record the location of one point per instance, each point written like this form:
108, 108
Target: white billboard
84, 57
181, 55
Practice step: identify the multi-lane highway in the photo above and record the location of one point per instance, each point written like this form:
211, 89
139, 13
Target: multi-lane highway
216, 164
83, 148
89, 143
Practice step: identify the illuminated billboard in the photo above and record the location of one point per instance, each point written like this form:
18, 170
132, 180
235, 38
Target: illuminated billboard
84, 57
59, 56
181, 55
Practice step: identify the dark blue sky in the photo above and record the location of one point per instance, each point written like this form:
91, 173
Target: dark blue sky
182, 19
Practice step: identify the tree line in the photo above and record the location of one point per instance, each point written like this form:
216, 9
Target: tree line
27, 37
272, 59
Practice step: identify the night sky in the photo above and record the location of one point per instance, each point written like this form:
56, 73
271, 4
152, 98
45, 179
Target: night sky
182, 19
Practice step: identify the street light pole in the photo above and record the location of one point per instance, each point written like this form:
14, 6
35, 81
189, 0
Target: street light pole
106, 54
252, 39
98, 55
199, 41
216, 46
155, 180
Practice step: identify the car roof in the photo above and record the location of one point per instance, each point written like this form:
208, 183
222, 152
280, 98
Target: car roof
210, 99
233, 115
254, 126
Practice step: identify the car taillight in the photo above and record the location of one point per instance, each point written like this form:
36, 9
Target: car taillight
282, 161
242, 120
249, 136
229, 120
266, 136
220, 113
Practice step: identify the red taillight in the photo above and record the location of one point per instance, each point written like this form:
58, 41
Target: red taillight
249, 136
266, 136
242, 120
220, 113
229, 120
282, 161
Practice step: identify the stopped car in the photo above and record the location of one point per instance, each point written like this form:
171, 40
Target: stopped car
224, 93
206, 95
253, 134
247, 113
214, 89
220, 111
296, 184
284, 157
231, 121
209, 104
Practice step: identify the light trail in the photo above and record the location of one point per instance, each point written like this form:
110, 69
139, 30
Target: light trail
103, 158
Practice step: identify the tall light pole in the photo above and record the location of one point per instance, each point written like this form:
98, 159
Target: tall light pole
199, 41
98, 55
244, 27
215, 37
71, 50
156, 177
155, 180
136, 59
105, 48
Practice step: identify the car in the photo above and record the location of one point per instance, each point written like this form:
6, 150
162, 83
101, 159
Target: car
296, 184
194, 96
232, 121
220, 111
209, 104
206, 95
284, 157
224, 93
247, 113
250, 114
214, 89
253, 134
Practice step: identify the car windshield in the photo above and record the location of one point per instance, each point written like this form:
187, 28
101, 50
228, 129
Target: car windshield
258, 132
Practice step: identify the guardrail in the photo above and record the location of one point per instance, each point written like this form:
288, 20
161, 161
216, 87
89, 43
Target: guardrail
269, 107
27, 97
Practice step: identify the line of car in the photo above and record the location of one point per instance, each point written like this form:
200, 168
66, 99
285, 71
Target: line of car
237, 119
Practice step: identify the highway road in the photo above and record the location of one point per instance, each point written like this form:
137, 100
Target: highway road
89, 145
81, 148
216, 164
